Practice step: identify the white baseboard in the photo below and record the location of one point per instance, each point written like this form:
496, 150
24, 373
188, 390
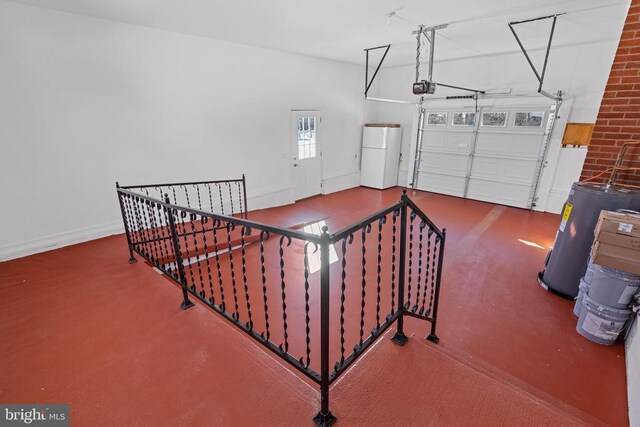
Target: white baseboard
43, 244
336, 183
264, 198
632, 347
270, 197
261, 199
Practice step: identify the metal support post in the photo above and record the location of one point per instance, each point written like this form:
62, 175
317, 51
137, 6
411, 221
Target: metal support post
419, 135
432, 335
400, 338
244, 193
132, 259
324, 418
186, 303
432, 47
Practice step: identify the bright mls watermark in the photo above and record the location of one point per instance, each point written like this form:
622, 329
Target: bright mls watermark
56, 415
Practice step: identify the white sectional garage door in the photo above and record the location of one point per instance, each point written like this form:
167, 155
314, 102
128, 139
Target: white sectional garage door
493, 155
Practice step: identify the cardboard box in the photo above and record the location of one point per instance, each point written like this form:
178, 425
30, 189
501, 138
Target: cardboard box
617, 257
618, 223
621, 240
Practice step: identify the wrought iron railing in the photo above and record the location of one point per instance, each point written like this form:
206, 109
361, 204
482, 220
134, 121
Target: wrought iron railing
225, 197
278, 285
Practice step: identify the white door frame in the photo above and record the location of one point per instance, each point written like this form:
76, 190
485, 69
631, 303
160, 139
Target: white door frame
319, 144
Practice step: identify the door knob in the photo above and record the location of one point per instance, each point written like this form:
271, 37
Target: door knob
295, 165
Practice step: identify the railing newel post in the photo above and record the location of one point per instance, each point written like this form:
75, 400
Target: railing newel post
324, 418
400, 338
132, 259
186, 303
432, 335
244, 194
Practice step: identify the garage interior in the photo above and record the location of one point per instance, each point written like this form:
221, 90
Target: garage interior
308, 162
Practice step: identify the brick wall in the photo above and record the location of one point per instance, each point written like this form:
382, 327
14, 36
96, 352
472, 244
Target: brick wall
619, 116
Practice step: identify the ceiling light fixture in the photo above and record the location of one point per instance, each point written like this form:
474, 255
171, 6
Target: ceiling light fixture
391, 14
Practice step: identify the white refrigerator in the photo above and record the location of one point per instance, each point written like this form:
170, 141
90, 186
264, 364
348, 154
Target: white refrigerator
380, 155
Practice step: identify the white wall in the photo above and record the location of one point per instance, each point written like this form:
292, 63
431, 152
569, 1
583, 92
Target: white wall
579, 71
85, 102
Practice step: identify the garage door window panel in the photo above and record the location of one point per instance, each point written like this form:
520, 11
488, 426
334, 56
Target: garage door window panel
437, 119
531, 119
494, 119
464, 119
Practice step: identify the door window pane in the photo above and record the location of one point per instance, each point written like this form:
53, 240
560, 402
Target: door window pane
437, 119
306, 137
533, 119
494, 119
464, 119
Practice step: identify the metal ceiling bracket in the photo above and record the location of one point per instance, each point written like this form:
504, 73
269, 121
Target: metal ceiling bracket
425, 29
539, 75
428, 86
367, 82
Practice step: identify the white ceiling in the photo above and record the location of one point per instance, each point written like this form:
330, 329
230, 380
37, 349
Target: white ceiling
340, 29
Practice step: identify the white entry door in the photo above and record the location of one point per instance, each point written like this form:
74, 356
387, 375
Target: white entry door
493, 155
306, 153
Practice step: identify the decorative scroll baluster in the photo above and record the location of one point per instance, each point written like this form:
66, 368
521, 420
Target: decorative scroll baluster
230, 198
186, 194
187, 262
264, 235
239, 184
216, 227
419, 281
175, 240
159, 191
151, 208
198, 194
246, 231
437, 243
365, 230
412, 216
165, 260
142, 231
175, 196
210, 198
133, 231
428, 273
381, 222
135, 205
285, 346
136, 202
165, 235
394, 217
343, 287
435, 293
306, 302
128, 229
204, 220
172, 260
194, 235
155, 231
147, 222
236, 313
221, 201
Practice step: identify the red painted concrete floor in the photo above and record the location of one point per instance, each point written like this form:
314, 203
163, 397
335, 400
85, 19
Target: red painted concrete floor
81, 325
